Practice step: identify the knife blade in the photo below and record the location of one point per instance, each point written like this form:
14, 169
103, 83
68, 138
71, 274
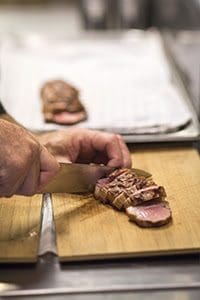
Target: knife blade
80, 178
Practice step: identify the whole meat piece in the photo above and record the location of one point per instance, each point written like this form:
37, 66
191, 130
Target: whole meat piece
61, 103
141, 198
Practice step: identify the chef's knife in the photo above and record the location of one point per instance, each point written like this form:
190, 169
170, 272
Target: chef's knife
80, 178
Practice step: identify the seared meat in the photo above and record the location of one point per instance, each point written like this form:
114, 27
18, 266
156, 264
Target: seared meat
140, 197
61, 103
124, 188
154, 213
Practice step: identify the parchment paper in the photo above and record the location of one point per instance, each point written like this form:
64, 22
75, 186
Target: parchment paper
125, 84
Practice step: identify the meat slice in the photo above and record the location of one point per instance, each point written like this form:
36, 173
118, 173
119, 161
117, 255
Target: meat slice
141, 198
61, 103
124, 188
155, 213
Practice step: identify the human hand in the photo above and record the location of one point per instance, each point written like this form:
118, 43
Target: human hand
87, 146
25, 165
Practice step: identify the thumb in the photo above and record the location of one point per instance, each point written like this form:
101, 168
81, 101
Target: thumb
48, 167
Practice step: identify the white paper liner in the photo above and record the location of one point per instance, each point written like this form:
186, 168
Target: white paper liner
125, 83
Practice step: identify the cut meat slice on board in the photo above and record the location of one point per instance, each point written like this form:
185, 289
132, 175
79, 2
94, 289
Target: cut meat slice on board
141, 198
61, 103
152, 214
123, 186
89, 230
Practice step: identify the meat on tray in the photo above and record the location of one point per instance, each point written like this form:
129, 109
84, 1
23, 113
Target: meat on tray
141, 198
61, 103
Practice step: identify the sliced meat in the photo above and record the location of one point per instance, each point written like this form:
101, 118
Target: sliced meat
124, 188
141, 198
61, 103
154, 213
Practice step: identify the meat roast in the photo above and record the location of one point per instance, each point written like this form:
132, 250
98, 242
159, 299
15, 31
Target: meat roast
141, 198
61, 103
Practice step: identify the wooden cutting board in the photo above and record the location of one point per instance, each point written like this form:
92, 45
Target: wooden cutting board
19, 228
87, 229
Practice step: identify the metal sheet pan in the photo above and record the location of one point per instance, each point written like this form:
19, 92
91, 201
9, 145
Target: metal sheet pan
189, 132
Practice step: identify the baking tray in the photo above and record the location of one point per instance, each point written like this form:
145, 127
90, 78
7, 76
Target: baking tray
189, 132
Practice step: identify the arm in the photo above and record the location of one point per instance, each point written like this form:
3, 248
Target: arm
86, 146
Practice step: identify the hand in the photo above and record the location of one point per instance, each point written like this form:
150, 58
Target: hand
87, 146
25, 165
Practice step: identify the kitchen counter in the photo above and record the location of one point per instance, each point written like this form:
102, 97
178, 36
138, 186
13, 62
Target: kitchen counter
184, 46
165, 277
145, 278
150, 278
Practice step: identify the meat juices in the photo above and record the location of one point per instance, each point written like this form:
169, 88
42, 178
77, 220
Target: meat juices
141, 199
61, 103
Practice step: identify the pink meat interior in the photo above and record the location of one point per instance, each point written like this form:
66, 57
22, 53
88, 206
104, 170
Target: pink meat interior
152, 212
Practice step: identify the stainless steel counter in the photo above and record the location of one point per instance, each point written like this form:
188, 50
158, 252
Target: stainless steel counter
185, 48
176, 277
164, 276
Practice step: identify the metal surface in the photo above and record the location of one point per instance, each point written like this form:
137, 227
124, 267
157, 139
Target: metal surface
108, 277
102, 290
189, 132
48, 273
47, 242
80, 178
164, 295
181, 45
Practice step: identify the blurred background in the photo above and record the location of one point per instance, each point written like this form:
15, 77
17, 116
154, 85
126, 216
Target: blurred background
179, 21
67, 15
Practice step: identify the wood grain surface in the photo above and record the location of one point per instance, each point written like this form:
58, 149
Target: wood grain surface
19, 228
87, 229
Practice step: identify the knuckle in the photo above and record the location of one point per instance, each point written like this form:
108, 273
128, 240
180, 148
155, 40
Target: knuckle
128, 163
31, 152
118, 161
34, 148
120, 138
113, 137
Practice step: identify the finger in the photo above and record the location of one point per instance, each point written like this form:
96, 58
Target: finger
127, 162
30, 184
109, 144
115, 154
48, 167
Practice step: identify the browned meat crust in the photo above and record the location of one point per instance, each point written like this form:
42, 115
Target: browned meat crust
124, 188
60, 97
140, 197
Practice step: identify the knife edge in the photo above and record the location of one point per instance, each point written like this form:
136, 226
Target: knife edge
80, 178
